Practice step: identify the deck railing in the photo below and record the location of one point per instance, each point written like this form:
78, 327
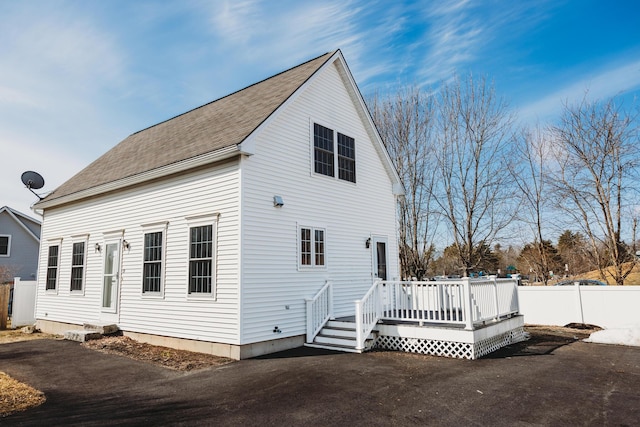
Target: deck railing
493, 299
466, 302
319, 310
368, 312
461, 301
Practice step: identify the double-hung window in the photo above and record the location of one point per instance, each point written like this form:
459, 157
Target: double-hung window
5, 245
202, 256
152, 262
312, 247
346, 158
53, 257
327, 157
78, 257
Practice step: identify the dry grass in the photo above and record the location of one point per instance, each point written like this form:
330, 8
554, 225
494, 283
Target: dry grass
16, 396
632, 279
15, 335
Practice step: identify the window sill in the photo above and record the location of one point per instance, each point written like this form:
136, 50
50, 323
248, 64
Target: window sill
153, 295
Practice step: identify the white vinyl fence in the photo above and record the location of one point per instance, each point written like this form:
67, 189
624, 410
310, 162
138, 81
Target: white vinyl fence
605, 306
24, 303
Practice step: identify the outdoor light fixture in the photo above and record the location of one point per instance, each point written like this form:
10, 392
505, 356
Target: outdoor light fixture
367, 244
98, 248
278, 202
125, 244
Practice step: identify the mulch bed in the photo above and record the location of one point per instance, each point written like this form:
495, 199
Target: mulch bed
181, 360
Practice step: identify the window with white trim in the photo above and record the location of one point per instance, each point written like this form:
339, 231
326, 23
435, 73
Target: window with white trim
326, 158
5, 245
152, 271
311, 247
78, 259
202, 259
53, 257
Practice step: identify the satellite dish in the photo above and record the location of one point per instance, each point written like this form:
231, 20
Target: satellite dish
33, 181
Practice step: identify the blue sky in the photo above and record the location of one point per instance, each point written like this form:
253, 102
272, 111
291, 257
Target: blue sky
77, 77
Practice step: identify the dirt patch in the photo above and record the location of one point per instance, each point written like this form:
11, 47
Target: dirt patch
569, 333
180, 360
545, 339
16, 396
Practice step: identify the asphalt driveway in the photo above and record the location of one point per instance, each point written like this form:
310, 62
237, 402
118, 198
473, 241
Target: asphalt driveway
575, 384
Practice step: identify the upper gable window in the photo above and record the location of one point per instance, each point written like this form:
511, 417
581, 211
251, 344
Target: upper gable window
5, 245
346, 158
326, 157
323, 150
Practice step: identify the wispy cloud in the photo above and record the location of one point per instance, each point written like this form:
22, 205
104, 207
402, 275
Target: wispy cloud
605, 83
278, 34
461, 34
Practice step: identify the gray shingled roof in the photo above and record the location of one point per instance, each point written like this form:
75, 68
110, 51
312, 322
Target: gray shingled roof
211, 127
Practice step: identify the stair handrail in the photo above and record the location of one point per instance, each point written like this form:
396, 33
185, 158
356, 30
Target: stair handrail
368, 313
319, 310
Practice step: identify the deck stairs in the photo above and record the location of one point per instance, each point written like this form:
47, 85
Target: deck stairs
340, 335
91, 331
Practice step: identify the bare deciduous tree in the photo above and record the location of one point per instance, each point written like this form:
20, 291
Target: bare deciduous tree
405, 122
7, 273
473, 134
596, 144
530, 176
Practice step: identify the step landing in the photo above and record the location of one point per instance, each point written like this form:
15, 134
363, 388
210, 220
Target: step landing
91, 331
82, 335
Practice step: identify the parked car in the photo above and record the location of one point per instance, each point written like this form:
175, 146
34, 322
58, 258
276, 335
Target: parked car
583, 282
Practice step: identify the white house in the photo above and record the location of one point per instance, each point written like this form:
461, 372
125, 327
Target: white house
210, 230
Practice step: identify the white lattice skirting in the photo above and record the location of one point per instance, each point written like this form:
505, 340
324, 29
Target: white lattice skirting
461, 350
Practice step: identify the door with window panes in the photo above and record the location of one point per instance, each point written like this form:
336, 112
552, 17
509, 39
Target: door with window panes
380, 258
111, 276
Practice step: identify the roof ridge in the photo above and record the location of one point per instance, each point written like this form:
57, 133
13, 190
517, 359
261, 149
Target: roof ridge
233, 93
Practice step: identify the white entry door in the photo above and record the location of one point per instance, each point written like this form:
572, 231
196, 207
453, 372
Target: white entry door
111, 276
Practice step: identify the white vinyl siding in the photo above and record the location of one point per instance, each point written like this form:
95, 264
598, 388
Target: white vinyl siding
170, 202
274, 286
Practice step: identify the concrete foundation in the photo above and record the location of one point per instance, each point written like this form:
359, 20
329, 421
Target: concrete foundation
232, 351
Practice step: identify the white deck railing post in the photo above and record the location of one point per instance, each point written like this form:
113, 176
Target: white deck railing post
380, 298
515, 302
330, 294
495, 297
309, 305
468, 309
359, 324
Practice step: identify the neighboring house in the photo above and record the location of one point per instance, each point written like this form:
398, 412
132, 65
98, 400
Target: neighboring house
19, 245
209, 230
